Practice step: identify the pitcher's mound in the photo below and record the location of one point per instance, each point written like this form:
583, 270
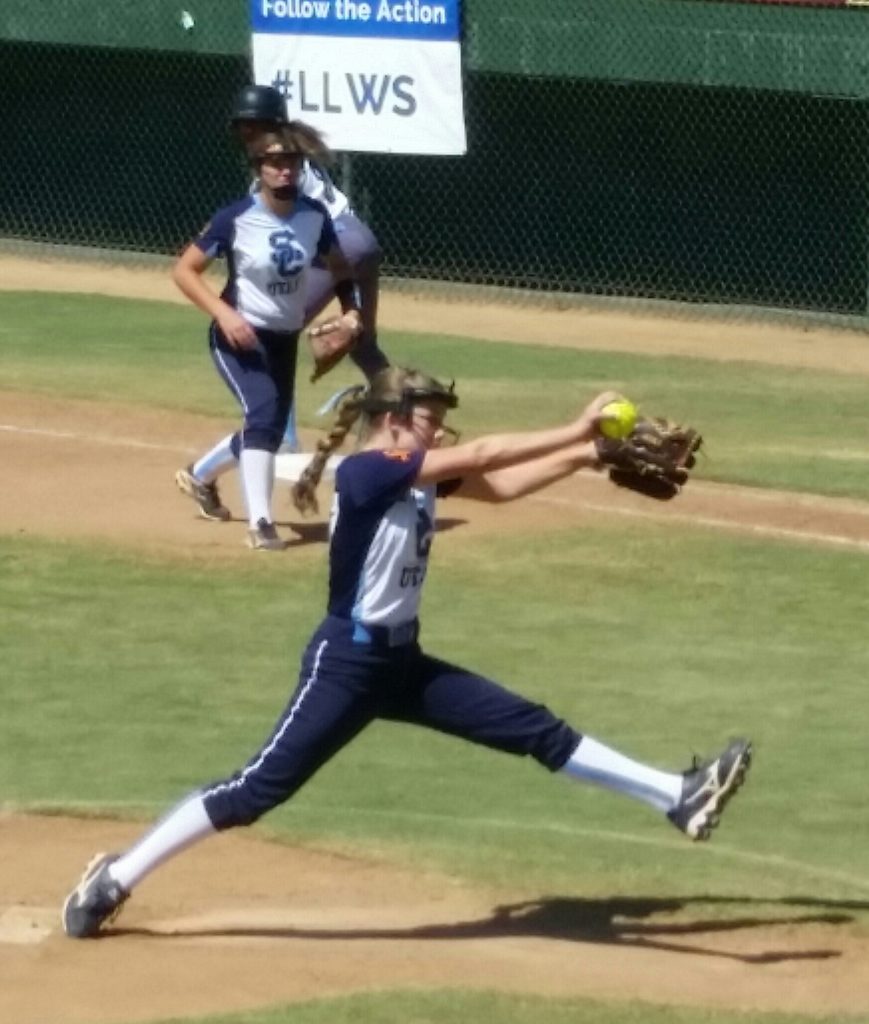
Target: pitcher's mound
240, 922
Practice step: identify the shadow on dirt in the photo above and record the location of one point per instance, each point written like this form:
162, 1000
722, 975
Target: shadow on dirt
621, 921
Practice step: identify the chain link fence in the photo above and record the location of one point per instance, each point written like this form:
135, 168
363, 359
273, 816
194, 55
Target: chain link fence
666, 149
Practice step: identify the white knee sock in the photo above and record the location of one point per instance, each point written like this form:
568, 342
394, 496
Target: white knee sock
257, 480
594, 762
215, 462
183, 826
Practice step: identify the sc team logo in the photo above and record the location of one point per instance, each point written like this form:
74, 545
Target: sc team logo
425, 529
414, 575
289, 257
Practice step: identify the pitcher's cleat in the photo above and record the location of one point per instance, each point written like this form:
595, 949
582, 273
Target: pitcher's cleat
206, 496
707, 787
96, 899
264, 537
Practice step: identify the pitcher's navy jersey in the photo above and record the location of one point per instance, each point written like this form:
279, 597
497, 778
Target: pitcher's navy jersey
382, 528
268, 257
364, 663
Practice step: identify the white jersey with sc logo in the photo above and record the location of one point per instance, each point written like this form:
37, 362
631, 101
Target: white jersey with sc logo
382, 529
268, 257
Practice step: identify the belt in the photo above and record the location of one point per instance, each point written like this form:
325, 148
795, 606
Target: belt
271, 335
386, 636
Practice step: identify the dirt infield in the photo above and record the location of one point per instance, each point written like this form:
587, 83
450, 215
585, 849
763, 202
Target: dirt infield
307, 924
256, 923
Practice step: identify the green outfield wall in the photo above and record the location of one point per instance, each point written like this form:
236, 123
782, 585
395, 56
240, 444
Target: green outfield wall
699, 151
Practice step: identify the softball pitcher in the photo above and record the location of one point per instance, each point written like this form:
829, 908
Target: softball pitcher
365, 662
270, 241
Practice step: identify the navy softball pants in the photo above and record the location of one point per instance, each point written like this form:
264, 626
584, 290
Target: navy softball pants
263, 380
346, 682
362, 251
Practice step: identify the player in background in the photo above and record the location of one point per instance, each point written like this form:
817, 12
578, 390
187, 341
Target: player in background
270, 239
365, 662
260, 108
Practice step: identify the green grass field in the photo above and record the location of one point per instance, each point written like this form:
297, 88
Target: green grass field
449, 1008
767, 426
662, 643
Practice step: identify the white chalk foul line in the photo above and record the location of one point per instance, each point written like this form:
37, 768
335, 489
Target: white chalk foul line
114, 442
709, 849
670, 841
779, 532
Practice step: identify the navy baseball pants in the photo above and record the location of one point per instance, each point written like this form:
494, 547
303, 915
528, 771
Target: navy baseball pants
263, 380
348, 680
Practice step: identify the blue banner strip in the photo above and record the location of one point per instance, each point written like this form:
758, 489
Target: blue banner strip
377, 19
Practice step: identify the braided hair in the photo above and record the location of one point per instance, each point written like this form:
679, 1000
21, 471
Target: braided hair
304, 491
393, 389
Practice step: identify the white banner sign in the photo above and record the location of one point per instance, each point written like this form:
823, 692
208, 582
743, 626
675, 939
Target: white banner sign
382, 76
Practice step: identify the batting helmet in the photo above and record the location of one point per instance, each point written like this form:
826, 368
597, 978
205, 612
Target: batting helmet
259, 103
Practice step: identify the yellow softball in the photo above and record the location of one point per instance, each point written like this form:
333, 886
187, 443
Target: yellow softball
618, 418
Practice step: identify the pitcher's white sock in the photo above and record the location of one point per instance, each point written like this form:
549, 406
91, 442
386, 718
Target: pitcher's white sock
183, 826
594, 762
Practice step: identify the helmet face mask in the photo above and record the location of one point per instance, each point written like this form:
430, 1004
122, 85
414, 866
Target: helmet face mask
417, 396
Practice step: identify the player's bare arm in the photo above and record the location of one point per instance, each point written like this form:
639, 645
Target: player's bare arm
511, 482
497, 451
188, 276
